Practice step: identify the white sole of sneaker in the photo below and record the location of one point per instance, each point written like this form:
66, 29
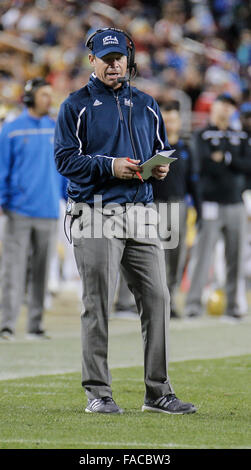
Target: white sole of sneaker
7, 338
105, 412
34, 337
157, 410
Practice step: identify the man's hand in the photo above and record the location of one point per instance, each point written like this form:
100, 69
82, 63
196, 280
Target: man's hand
159, 172
217, 156
125, 170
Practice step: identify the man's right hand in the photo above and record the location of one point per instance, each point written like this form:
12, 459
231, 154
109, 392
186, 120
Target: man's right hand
217, 156
125, 170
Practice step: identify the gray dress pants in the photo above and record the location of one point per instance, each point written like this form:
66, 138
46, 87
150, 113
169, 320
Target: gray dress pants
125, 301
175, 264
176, 257
98, 261
230, 221
25, 250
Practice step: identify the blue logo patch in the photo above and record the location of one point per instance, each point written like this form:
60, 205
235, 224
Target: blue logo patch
184, 154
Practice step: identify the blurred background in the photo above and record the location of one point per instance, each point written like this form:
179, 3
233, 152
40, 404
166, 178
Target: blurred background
190, 51
187, 50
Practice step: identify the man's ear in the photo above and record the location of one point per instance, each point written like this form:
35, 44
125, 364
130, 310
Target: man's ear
92, 59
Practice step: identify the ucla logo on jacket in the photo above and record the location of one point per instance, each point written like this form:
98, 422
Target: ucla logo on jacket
128, 102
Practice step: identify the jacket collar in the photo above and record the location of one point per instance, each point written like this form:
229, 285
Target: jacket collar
213, 126
97, 85
26, 113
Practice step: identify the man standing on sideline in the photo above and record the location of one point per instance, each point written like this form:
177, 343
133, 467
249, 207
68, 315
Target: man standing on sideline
223, 164
245, 119
98, 128
181, 181
30, 190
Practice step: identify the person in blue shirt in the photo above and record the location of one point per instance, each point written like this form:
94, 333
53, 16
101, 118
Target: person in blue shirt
30, 191
99, 127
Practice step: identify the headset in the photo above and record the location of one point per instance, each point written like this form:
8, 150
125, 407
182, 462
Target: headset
132, 66
30, 88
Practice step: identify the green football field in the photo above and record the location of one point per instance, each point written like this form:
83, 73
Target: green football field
42, 402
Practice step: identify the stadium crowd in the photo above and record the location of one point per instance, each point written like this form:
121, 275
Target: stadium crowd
188, 50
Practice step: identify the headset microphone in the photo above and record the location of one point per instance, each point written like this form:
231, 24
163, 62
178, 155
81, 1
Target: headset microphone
132, 74
122, 79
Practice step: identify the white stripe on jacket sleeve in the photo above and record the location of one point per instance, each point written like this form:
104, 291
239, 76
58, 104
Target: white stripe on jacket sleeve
77, 131
157, 129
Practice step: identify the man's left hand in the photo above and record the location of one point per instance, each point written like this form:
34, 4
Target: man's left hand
159, 172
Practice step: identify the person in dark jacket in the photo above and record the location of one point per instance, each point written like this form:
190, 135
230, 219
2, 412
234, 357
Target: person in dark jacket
245, 118
223, 166
182, 181
98, 128
30, 191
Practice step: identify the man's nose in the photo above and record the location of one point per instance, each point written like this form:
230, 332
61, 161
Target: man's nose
113, 62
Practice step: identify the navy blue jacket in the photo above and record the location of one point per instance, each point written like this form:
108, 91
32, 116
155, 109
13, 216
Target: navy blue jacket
93, 128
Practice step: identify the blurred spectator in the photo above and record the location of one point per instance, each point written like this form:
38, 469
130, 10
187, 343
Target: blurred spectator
245, 118
201, 47
181, 181
30, 191
224, 161
244, 48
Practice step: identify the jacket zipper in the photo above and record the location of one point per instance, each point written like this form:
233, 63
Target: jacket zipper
119, 107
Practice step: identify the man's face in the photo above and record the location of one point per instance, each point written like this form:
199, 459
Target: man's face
172, 121
43, 100
108, 69
222, 110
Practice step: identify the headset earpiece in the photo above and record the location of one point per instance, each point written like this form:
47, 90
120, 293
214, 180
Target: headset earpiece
130, 59
29, 90
89, 41
28, 98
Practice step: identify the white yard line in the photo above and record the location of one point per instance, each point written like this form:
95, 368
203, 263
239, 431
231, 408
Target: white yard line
204, 338
26, 374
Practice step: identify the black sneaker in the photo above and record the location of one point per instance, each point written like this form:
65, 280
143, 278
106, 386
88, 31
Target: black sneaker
103, 405
193, 315
174, 314
7, 334
169, 404
37, 335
